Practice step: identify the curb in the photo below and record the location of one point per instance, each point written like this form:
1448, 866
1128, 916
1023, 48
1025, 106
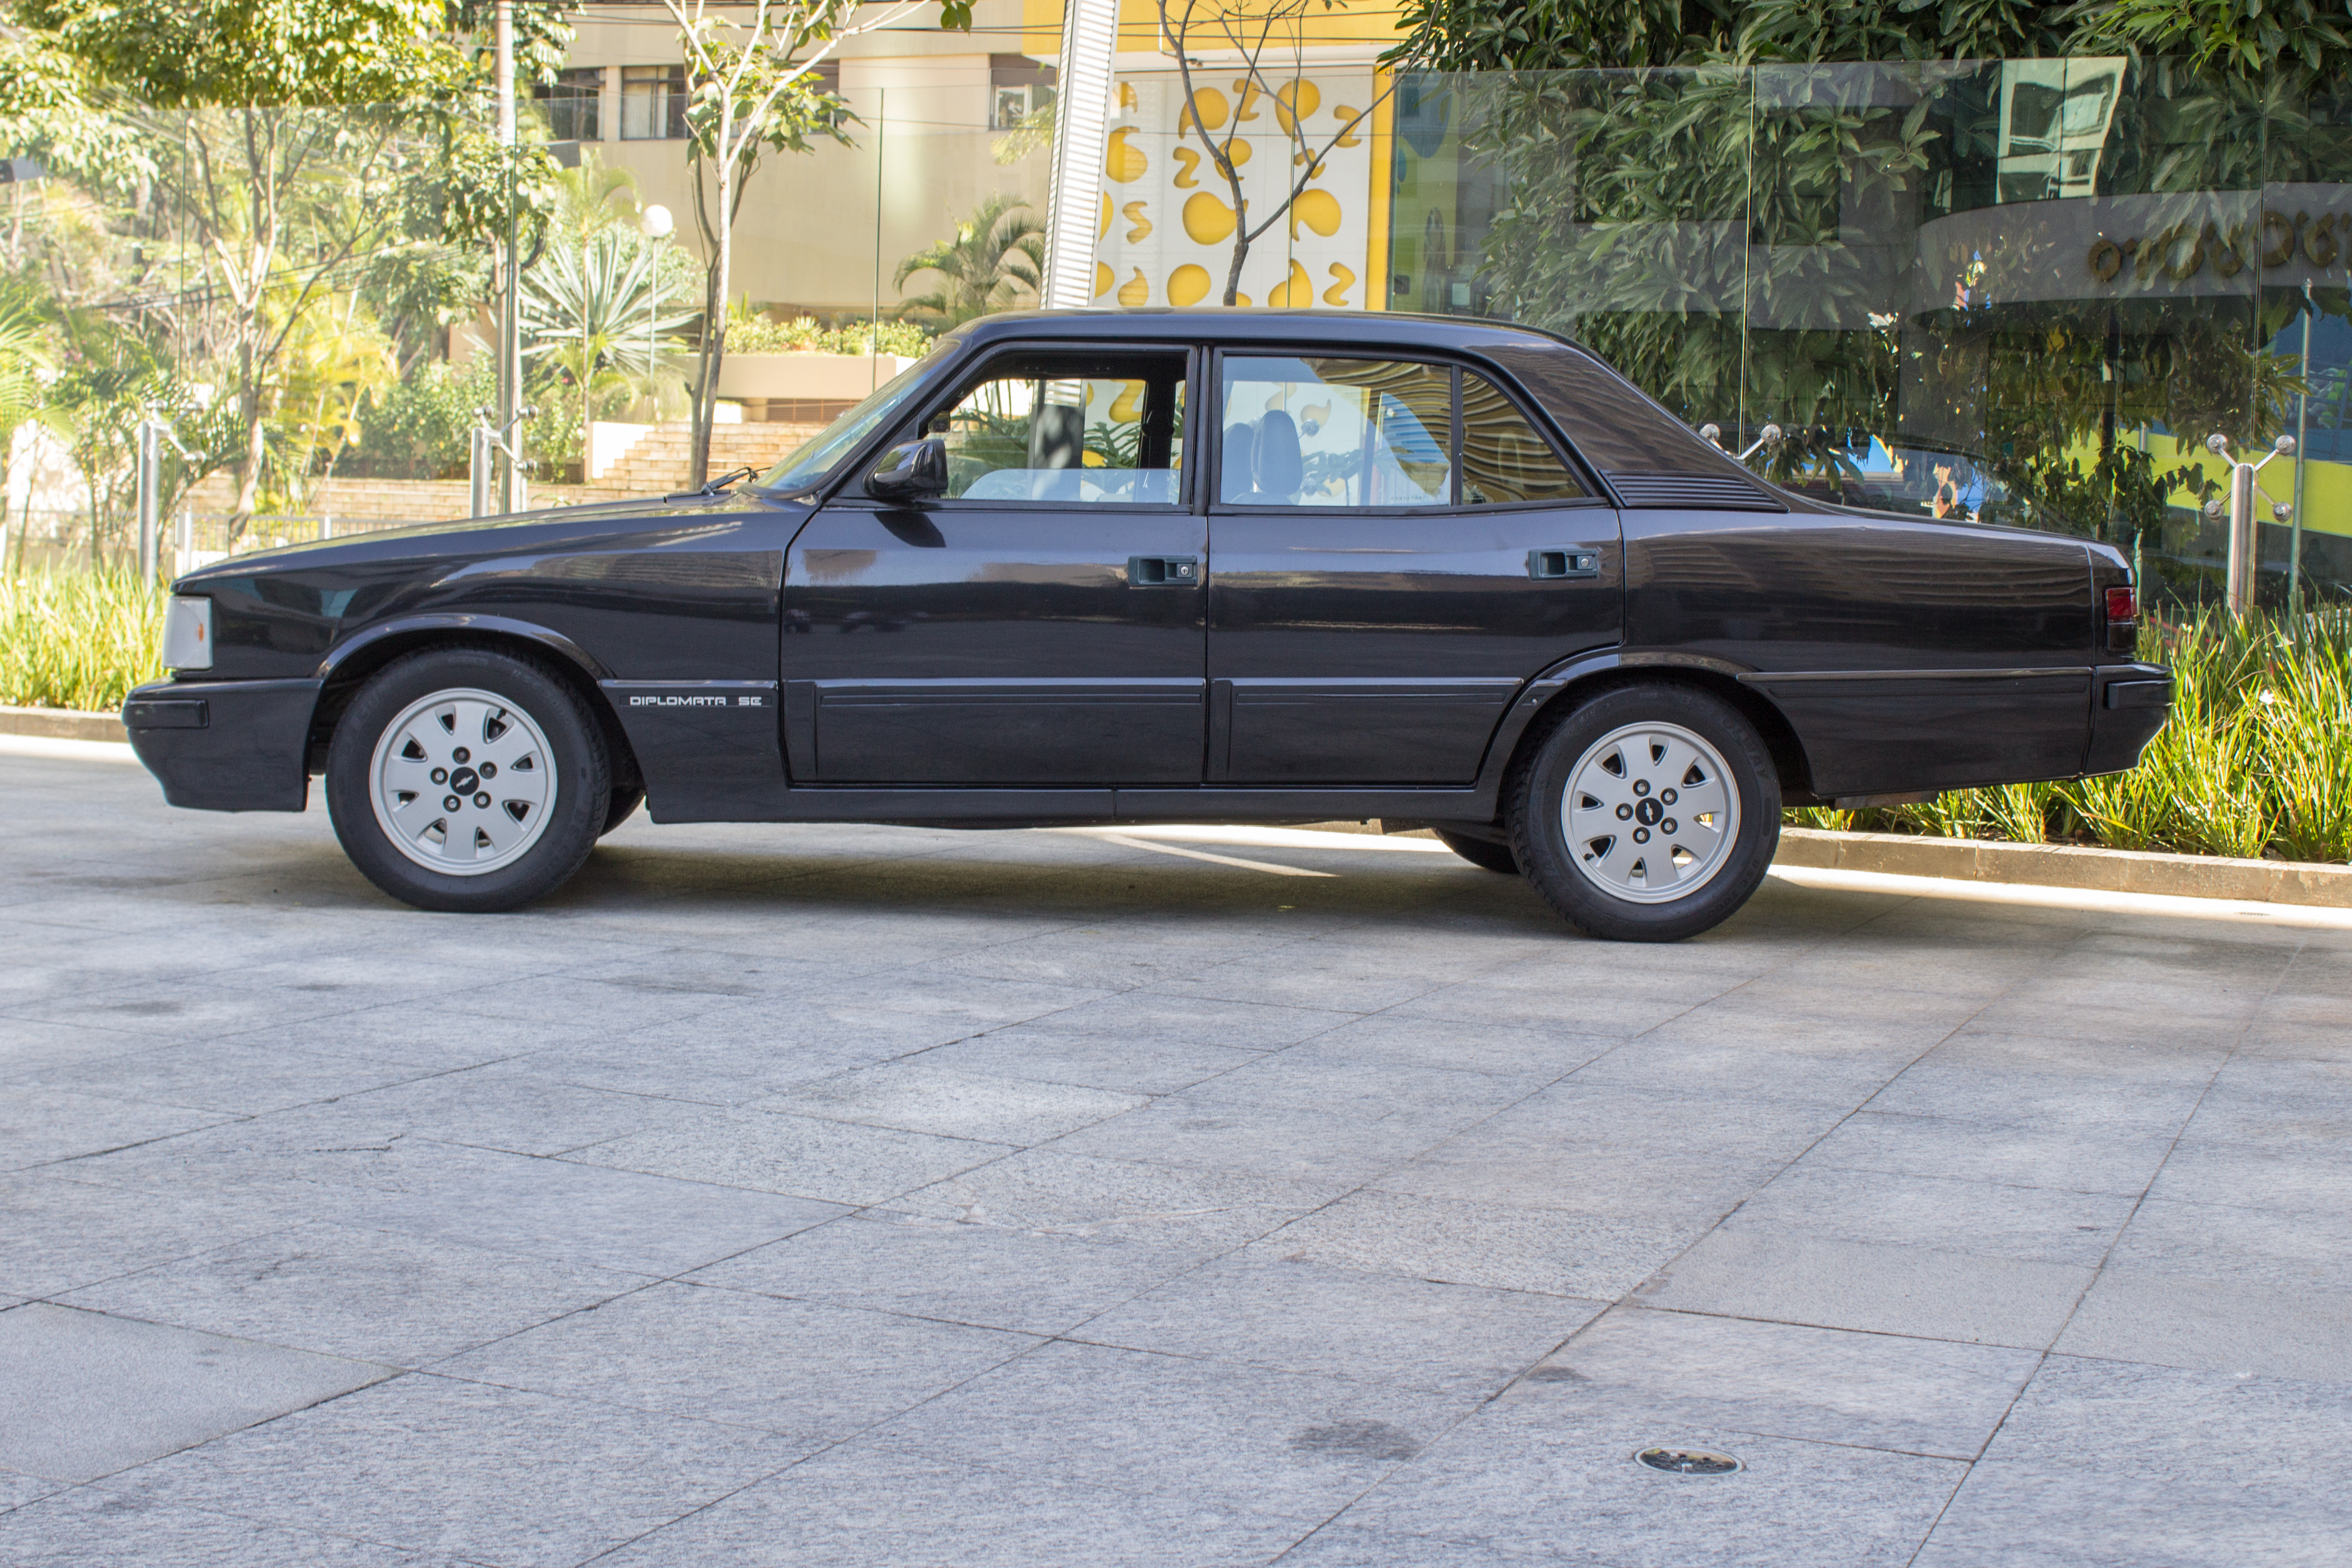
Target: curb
2068, 865
63, 724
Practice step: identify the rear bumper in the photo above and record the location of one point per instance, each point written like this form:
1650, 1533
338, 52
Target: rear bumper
2129, 703
225, 746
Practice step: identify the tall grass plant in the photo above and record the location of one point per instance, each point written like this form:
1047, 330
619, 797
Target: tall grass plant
78, 640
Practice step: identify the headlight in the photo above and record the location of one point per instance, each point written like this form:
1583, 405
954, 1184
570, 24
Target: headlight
188, 633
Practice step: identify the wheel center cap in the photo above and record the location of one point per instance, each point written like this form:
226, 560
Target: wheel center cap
464, 778
1648, 814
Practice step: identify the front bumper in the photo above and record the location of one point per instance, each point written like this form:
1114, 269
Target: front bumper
2129, 703
225, 746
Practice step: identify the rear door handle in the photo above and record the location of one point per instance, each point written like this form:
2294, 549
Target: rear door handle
1563, 564
1163, 572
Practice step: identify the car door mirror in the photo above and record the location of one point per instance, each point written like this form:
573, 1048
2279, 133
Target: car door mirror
911, 472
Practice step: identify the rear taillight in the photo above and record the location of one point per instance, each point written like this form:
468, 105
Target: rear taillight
2123, 619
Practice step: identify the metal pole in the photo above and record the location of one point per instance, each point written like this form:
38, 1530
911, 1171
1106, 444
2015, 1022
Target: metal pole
881, 132
2294, 523
2242, 560
478, 470
509, 336
150, 494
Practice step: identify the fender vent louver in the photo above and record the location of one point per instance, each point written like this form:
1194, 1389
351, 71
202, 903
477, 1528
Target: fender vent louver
1717, 491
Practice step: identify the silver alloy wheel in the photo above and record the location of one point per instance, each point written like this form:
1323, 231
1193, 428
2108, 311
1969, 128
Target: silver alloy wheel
1649, 813
462, 782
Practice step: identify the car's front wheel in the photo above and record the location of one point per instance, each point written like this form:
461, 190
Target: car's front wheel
1649, 813
467, 779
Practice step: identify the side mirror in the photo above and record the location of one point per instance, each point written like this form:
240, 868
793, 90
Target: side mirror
911, 472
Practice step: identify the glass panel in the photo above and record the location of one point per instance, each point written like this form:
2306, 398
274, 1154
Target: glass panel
652, 103
1503, 458
1068, 428
815, 458
1337, 433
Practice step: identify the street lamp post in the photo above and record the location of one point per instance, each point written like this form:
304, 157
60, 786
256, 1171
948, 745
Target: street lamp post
658, 227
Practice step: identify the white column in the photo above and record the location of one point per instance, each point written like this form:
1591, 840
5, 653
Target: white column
1082, 114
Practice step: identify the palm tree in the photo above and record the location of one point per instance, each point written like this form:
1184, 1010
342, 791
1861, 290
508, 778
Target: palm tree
596, 310
997, 253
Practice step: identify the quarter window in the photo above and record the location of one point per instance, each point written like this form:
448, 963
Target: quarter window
1502, 458
1077, 428
1336, 432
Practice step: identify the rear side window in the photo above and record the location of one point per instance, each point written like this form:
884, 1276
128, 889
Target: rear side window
1311, 432
1336, 432
1503, 459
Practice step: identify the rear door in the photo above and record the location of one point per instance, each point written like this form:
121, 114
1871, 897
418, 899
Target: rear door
1398, 547
1041, 623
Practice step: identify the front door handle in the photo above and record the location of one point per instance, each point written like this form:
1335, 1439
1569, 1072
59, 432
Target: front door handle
1163, 572
1563, 564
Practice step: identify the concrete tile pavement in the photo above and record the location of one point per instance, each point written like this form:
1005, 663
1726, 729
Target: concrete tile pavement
882, 1195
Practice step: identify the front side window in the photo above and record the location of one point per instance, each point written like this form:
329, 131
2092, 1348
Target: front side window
1336, 432
1060, 427
652, 103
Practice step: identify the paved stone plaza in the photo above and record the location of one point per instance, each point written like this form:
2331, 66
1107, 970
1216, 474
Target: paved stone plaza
817, 1196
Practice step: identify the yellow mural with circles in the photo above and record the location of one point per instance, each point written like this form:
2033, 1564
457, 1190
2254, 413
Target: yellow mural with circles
1175, 244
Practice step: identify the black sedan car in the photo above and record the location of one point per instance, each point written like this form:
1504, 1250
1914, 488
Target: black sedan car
1177, 566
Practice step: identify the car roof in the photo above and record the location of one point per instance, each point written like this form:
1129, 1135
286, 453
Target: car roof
1242, 324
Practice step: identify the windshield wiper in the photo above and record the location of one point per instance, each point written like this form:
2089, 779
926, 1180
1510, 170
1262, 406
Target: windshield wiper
713, 486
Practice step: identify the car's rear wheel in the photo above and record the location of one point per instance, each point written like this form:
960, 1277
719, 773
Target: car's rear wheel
467, 779
1483, 853
1648, 814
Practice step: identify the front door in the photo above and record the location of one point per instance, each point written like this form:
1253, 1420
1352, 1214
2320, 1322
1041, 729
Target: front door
1398, 548
1042, 622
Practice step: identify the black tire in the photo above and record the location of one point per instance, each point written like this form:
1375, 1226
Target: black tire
1620, 898
548, 848
1481, 852
627, 798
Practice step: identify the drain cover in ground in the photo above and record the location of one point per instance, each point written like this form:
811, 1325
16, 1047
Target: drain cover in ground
1688, 1461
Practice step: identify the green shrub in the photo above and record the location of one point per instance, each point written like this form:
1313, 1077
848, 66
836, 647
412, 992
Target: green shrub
757, 334
78, 640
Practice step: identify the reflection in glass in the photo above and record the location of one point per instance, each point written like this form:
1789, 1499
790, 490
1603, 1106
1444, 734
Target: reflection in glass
1336, 432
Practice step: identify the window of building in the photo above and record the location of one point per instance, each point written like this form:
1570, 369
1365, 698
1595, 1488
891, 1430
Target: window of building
573, 104
652, 103
1018, 87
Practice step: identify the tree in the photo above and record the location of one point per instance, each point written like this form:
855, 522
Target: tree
596, 310
24, 359
303, 144
996, 255
750, 89
1249, 36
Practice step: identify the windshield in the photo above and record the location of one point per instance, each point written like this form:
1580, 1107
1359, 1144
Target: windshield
817, 457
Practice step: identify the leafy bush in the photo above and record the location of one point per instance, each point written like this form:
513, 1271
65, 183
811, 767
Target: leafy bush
78, 640
2256, 761
423, 429
749, 333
